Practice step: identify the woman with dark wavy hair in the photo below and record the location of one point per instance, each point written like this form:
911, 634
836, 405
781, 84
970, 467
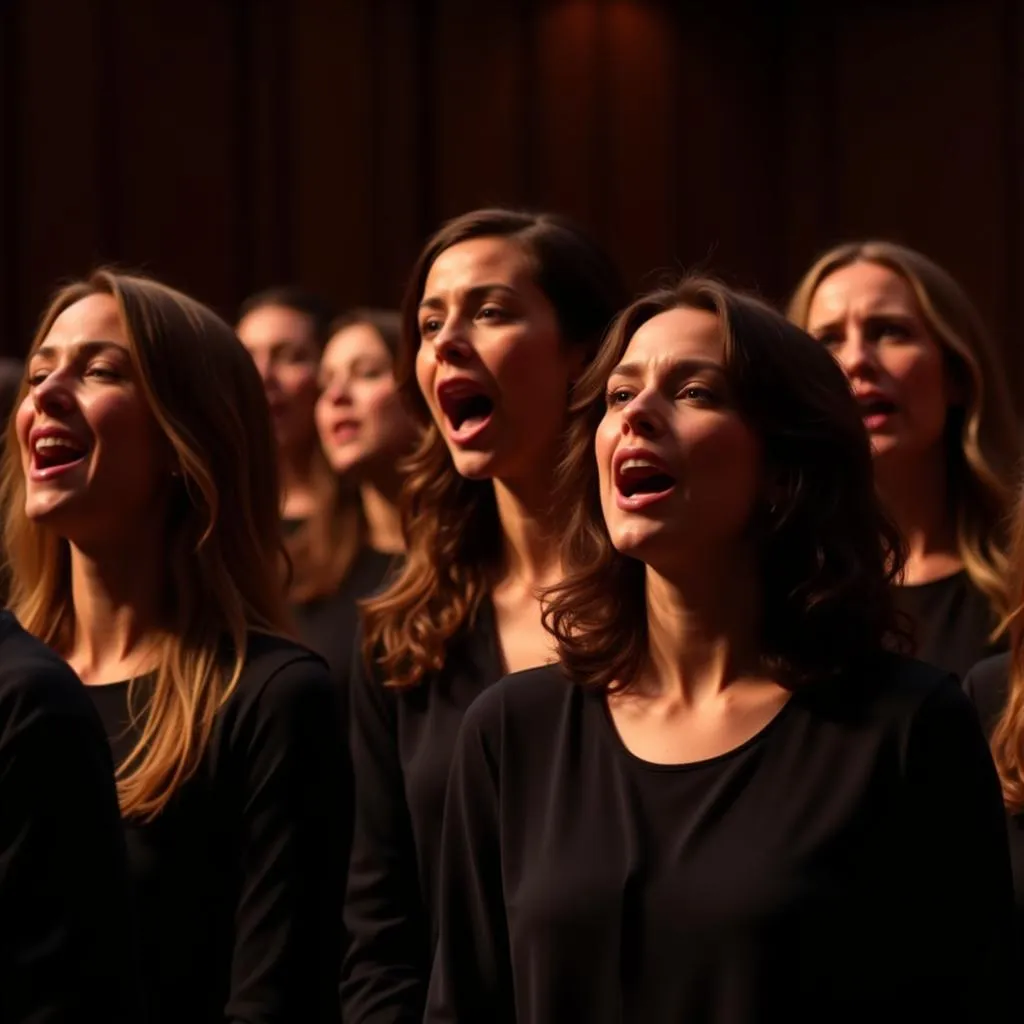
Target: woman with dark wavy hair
503, 312
729, 803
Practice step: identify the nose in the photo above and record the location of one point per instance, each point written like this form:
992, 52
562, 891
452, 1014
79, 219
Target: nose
856, 355
52, 395
642, 418
338, 392
451, 344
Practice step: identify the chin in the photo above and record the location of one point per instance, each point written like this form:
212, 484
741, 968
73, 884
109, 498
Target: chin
637, 540
474, 465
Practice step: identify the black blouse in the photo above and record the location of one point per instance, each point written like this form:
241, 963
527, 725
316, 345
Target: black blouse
952, 622
402, 743
66, 954
848, 863
237, 881
988, 686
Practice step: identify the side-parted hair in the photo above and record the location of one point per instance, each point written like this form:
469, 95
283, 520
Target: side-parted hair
451, 523
324, 548
827, 551
1008, 736
225, 558
982, 441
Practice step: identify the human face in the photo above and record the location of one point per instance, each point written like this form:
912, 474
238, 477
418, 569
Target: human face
868, 317
282, 344
678, 467
96, 464
359, 415
492, 364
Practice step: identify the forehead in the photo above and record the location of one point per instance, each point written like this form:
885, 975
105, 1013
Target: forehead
675, 335
478, 261
94, 318
271, 324
861, 287
355, 342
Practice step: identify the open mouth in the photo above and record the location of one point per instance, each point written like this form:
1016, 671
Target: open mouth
466, 409
56, 452
872, 407
637, 477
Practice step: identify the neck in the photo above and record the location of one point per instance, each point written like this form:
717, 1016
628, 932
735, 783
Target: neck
916, 497
295, 473
530, 537
702, 629
379, 498
116, 596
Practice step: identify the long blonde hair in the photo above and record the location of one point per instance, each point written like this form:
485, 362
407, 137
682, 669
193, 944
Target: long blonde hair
982, 440
224, 552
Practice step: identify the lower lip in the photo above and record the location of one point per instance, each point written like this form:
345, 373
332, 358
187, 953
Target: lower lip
342, 434
877, 420
50, 472
468, 433
638, 502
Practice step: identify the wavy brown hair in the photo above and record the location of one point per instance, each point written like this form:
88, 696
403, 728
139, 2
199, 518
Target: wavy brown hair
827, 550
1008, 736
982, 439
224, 550
450, 523
323, 549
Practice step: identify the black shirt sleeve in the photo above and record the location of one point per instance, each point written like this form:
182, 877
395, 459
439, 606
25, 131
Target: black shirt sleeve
288, 750
65, 926
386, 969
955, 819
471, 978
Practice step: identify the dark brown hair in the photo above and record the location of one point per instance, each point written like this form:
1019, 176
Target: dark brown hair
827, 550
451, 523
323, 549
314, 307
982, 436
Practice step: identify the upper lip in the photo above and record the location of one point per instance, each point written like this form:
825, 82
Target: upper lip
872, 396
623, 455
38, 433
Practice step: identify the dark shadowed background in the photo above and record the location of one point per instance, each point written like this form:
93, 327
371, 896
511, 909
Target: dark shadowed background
225, 145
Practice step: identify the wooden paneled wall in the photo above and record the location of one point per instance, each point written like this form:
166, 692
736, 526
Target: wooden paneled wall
225, 145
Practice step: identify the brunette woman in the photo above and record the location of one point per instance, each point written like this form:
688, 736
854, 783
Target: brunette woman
729, 804
934, 401
142, 523
66, 952
284, 330
996, 686
350, 543
503, 312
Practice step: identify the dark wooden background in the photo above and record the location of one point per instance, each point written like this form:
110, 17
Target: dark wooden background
225, 145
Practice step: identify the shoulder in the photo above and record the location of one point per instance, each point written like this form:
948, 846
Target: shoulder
531, 699
278, 673
34, 682
987, 685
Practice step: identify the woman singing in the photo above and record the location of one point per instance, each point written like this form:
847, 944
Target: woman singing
729, 803
141, 496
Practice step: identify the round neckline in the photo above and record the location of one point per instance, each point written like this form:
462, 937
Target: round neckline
685, 766
937, 582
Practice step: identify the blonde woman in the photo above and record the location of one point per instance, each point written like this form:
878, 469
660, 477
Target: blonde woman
142, 523
934, 401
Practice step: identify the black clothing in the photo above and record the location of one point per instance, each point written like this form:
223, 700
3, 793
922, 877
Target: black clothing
848, 863
329, 624
952, 622
237, 880
988, 686
402, 743
65, 924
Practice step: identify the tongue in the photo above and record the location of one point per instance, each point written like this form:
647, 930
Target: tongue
57, 456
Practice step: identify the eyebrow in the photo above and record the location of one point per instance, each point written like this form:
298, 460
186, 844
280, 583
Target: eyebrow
85, 347
475, 293
637, 370
874, 314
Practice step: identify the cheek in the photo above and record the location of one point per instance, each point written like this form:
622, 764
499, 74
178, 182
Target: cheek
298, 385
920, 376
724, 469
23, 418
532, 369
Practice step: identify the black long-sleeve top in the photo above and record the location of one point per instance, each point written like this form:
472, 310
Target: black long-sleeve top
848, 863
952, 622
988, 686
66, 956
237, 881
402, 743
